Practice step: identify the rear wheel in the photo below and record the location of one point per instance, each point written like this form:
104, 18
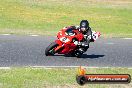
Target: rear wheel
50, 50
77, 54
73, 54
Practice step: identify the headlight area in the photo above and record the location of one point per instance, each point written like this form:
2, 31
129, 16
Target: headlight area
64, 39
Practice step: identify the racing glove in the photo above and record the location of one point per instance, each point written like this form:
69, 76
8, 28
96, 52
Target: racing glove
80, 43
76, 42
84, 44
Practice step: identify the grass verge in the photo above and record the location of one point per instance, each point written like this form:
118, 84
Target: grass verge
46, 17
54, 78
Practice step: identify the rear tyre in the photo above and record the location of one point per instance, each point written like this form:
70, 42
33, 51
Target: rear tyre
78, 54
50, 49
73, 54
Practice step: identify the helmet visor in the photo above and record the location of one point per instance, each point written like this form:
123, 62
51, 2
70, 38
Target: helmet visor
83, 29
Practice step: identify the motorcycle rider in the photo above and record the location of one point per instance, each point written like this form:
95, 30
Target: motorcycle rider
86, 31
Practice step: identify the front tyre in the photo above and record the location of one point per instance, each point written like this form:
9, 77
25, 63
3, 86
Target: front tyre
50, 49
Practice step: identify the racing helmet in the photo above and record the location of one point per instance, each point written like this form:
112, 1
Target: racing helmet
84, 25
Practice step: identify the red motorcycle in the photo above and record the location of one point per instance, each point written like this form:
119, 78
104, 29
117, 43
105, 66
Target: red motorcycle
65, 44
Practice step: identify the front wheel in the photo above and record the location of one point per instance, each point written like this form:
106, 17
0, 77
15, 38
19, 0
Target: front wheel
50, 50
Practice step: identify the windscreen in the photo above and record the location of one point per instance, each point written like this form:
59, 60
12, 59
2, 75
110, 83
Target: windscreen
70, 31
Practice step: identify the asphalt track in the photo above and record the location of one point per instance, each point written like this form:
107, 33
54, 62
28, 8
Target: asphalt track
29, 51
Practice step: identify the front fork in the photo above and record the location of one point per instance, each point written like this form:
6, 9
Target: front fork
58, 47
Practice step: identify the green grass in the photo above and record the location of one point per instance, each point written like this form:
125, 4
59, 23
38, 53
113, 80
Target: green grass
56, 77
46, 17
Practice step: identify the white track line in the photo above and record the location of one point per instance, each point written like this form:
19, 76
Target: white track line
127, 38
50, 67
55, 66
5, 68
5, 34
33, 35
75, 67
